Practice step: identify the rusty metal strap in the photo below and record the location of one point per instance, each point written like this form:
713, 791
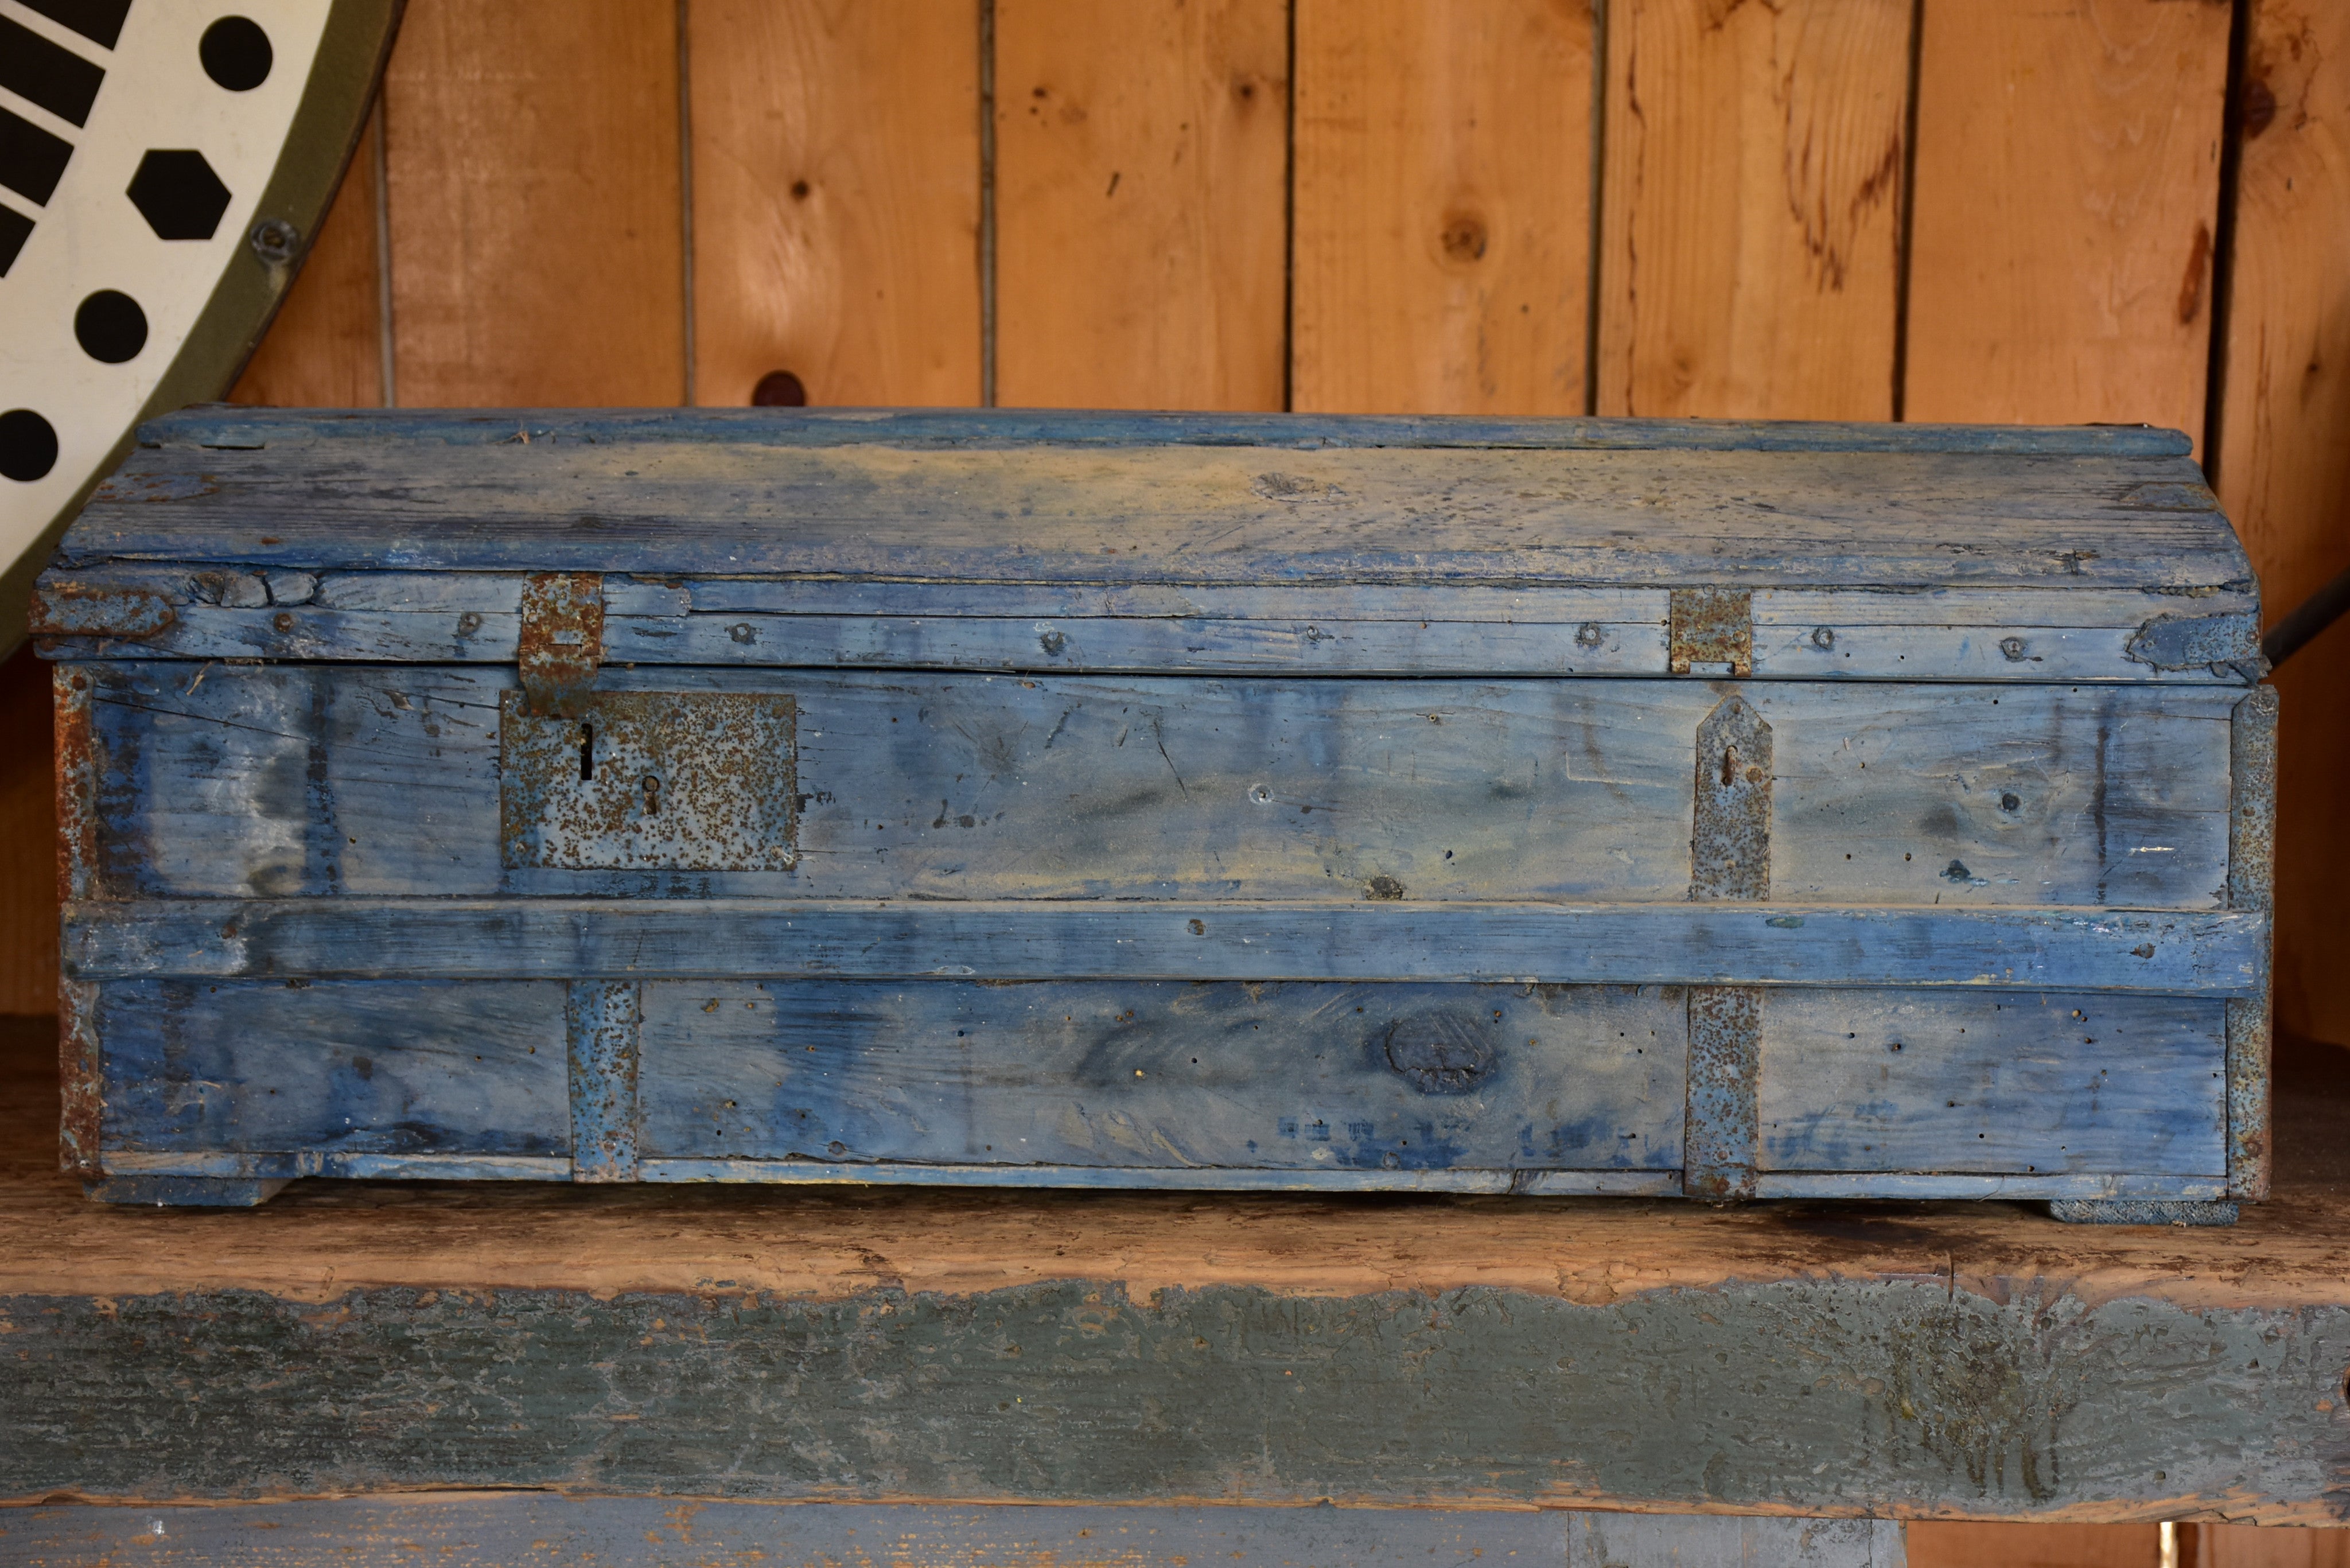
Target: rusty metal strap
561, 642
2252, 885
604, 1020
1721, 1130
1730, 859
81, 1080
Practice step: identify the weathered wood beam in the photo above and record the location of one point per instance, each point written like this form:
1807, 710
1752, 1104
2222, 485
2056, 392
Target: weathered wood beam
1914, 1360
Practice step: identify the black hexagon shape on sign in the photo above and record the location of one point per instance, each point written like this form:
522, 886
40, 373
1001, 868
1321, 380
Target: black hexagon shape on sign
179, 196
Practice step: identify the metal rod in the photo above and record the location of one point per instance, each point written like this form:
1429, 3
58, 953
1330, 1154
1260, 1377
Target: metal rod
2310, 618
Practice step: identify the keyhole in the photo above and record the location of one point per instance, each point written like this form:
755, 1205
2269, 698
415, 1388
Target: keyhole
587, 753
652, 796
1729, 766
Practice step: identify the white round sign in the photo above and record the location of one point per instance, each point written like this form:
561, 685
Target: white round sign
162, 165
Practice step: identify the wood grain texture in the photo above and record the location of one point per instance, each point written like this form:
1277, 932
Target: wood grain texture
1865, 1081
532, 160
1140, 204
2150, 951
490, 1530
1951, 1543
703, 1341
1167, 1075
28, 840
1751, 233
374, 1068
835, 199
2281, 467
1196, 515
321, 782
324, 350
2247, 1547
229, 428
2029, 635
2067, 182
2281, 470
1441, 248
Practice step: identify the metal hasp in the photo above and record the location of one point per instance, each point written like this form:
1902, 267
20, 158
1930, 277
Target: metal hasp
1730, 859
561, 642
683, 781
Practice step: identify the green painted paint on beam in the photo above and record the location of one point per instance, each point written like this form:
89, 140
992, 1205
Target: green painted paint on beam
1816, 1396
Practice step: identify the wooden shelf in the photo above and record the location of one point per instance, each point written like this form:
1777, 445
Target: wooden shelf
1920, 1360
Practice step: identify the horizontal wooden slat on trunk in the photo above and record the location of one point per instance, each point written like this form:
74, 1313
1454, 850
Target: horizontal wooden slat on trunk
241, 782
1620, 944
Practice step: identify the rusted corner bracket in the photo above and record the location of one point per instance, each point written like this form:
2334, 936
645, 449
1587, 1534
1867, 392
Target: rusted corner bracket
1712, 626
81, 1080
561, 643
2252, 885
80, 1074
95, 609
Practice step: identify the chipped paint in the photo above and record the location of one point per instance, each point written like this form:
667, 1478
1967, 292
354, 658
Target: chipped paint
561, 644
2251, 886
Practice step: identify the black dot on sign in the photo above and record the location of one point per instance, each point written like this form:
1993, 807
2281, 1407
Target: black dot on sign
28, 445
177, 193
110, 328
235, 53
779, 389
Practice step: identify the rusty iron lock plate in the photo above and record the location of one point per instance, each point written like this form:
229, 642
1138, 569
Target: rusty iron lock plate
685, 781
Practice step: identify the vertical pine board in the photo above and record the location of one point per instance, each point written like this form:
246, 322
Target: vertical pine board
1441, 259
1142, 151
324, 350
29, 839
2067, 187
836, 198
2252, 1546
1751, 236
1952, 1544
536, 252
2283, 467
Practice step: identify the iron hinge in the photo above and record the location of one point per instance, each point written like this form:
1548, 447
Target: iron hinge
561, 643
1713, 626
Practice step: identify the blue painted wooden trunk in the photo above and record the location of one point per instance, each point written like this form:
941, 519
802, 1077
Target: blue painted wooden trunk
1571, 807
